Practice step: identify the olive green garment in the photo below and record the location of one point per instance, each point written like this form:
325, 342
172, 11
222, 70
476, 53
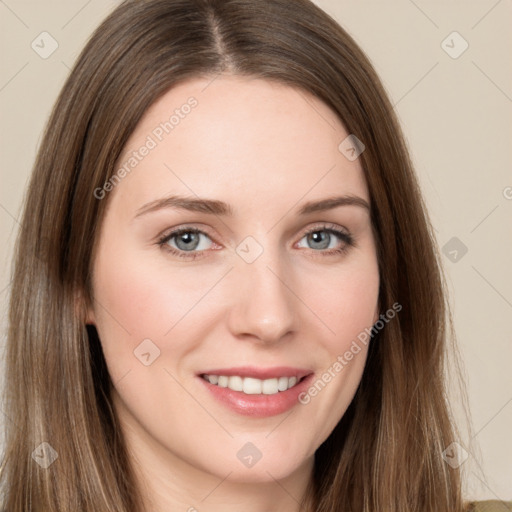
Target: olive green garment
492, 506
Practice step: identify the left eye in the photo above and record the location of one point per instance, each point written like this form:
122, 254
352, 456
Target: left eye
322, 239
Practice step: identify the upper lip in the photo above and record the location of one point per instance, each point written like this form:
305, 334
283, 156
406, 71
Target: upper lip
260, 373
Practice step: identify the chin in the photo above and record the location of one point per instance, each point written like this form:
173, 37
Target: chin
273, 465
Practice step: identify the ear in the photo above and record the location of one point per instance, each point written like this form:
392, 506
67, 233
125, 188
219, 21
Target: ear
89, 316
83, 308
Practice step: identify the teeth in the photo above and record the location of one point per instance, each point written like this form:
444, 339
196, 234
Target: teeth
282, 383
235, 383
269, 387
252, 386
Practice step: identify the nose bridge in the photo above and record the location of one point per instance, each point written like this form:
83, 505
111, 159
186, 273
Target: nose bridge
263, 304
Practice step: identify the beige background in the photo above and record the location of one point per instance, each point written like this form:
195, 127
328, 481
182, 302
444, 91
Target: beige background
456, 113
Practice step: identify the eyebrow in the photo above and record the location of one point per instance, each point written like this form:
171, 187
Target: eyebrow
215, 207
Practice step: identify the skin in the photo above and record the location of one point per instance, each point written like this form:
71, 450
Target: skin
265, 149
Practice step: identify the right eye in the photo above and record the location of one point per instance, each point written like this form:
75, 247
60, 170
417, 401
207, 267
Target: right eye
185, 240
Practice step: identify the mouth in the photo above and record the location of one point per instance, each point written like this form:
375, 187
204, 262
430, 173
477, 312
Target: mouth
257, 392
252, 385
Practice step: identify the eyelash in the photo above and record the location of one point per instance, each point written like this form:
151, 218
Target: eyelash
192, 255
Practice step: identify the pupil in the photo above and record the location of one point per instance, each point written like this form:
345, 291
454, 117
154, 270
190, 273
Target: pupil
187, 239
320, 237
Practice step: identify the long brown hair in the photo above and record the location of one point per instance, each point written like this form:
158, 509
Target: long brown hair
385, 453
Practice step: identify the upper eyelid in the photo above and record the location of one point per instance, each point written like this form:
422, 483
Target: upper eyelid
327, 226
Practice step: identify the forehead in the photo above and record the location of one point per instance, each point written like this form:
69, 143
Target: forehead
247, 140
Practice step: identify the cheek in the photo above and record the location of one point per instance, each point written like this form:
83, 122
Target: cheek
352, 298
348, 305
135, 301
347, 301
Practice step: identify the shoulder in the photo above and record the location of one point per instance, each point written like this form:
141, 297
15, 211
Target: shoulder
491, 506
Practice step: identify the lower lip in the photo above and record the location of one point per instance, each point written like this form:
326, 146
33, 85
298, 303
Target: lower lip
260, 406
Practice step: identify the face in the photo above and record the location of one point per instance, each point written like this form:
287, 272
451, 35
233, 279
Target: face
227, 289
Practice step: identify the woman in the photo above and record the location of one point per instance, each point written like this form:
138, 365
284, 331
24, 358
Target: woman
226, 287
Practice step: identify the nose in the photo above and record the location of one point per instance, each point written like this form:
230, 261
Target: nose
263, 303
